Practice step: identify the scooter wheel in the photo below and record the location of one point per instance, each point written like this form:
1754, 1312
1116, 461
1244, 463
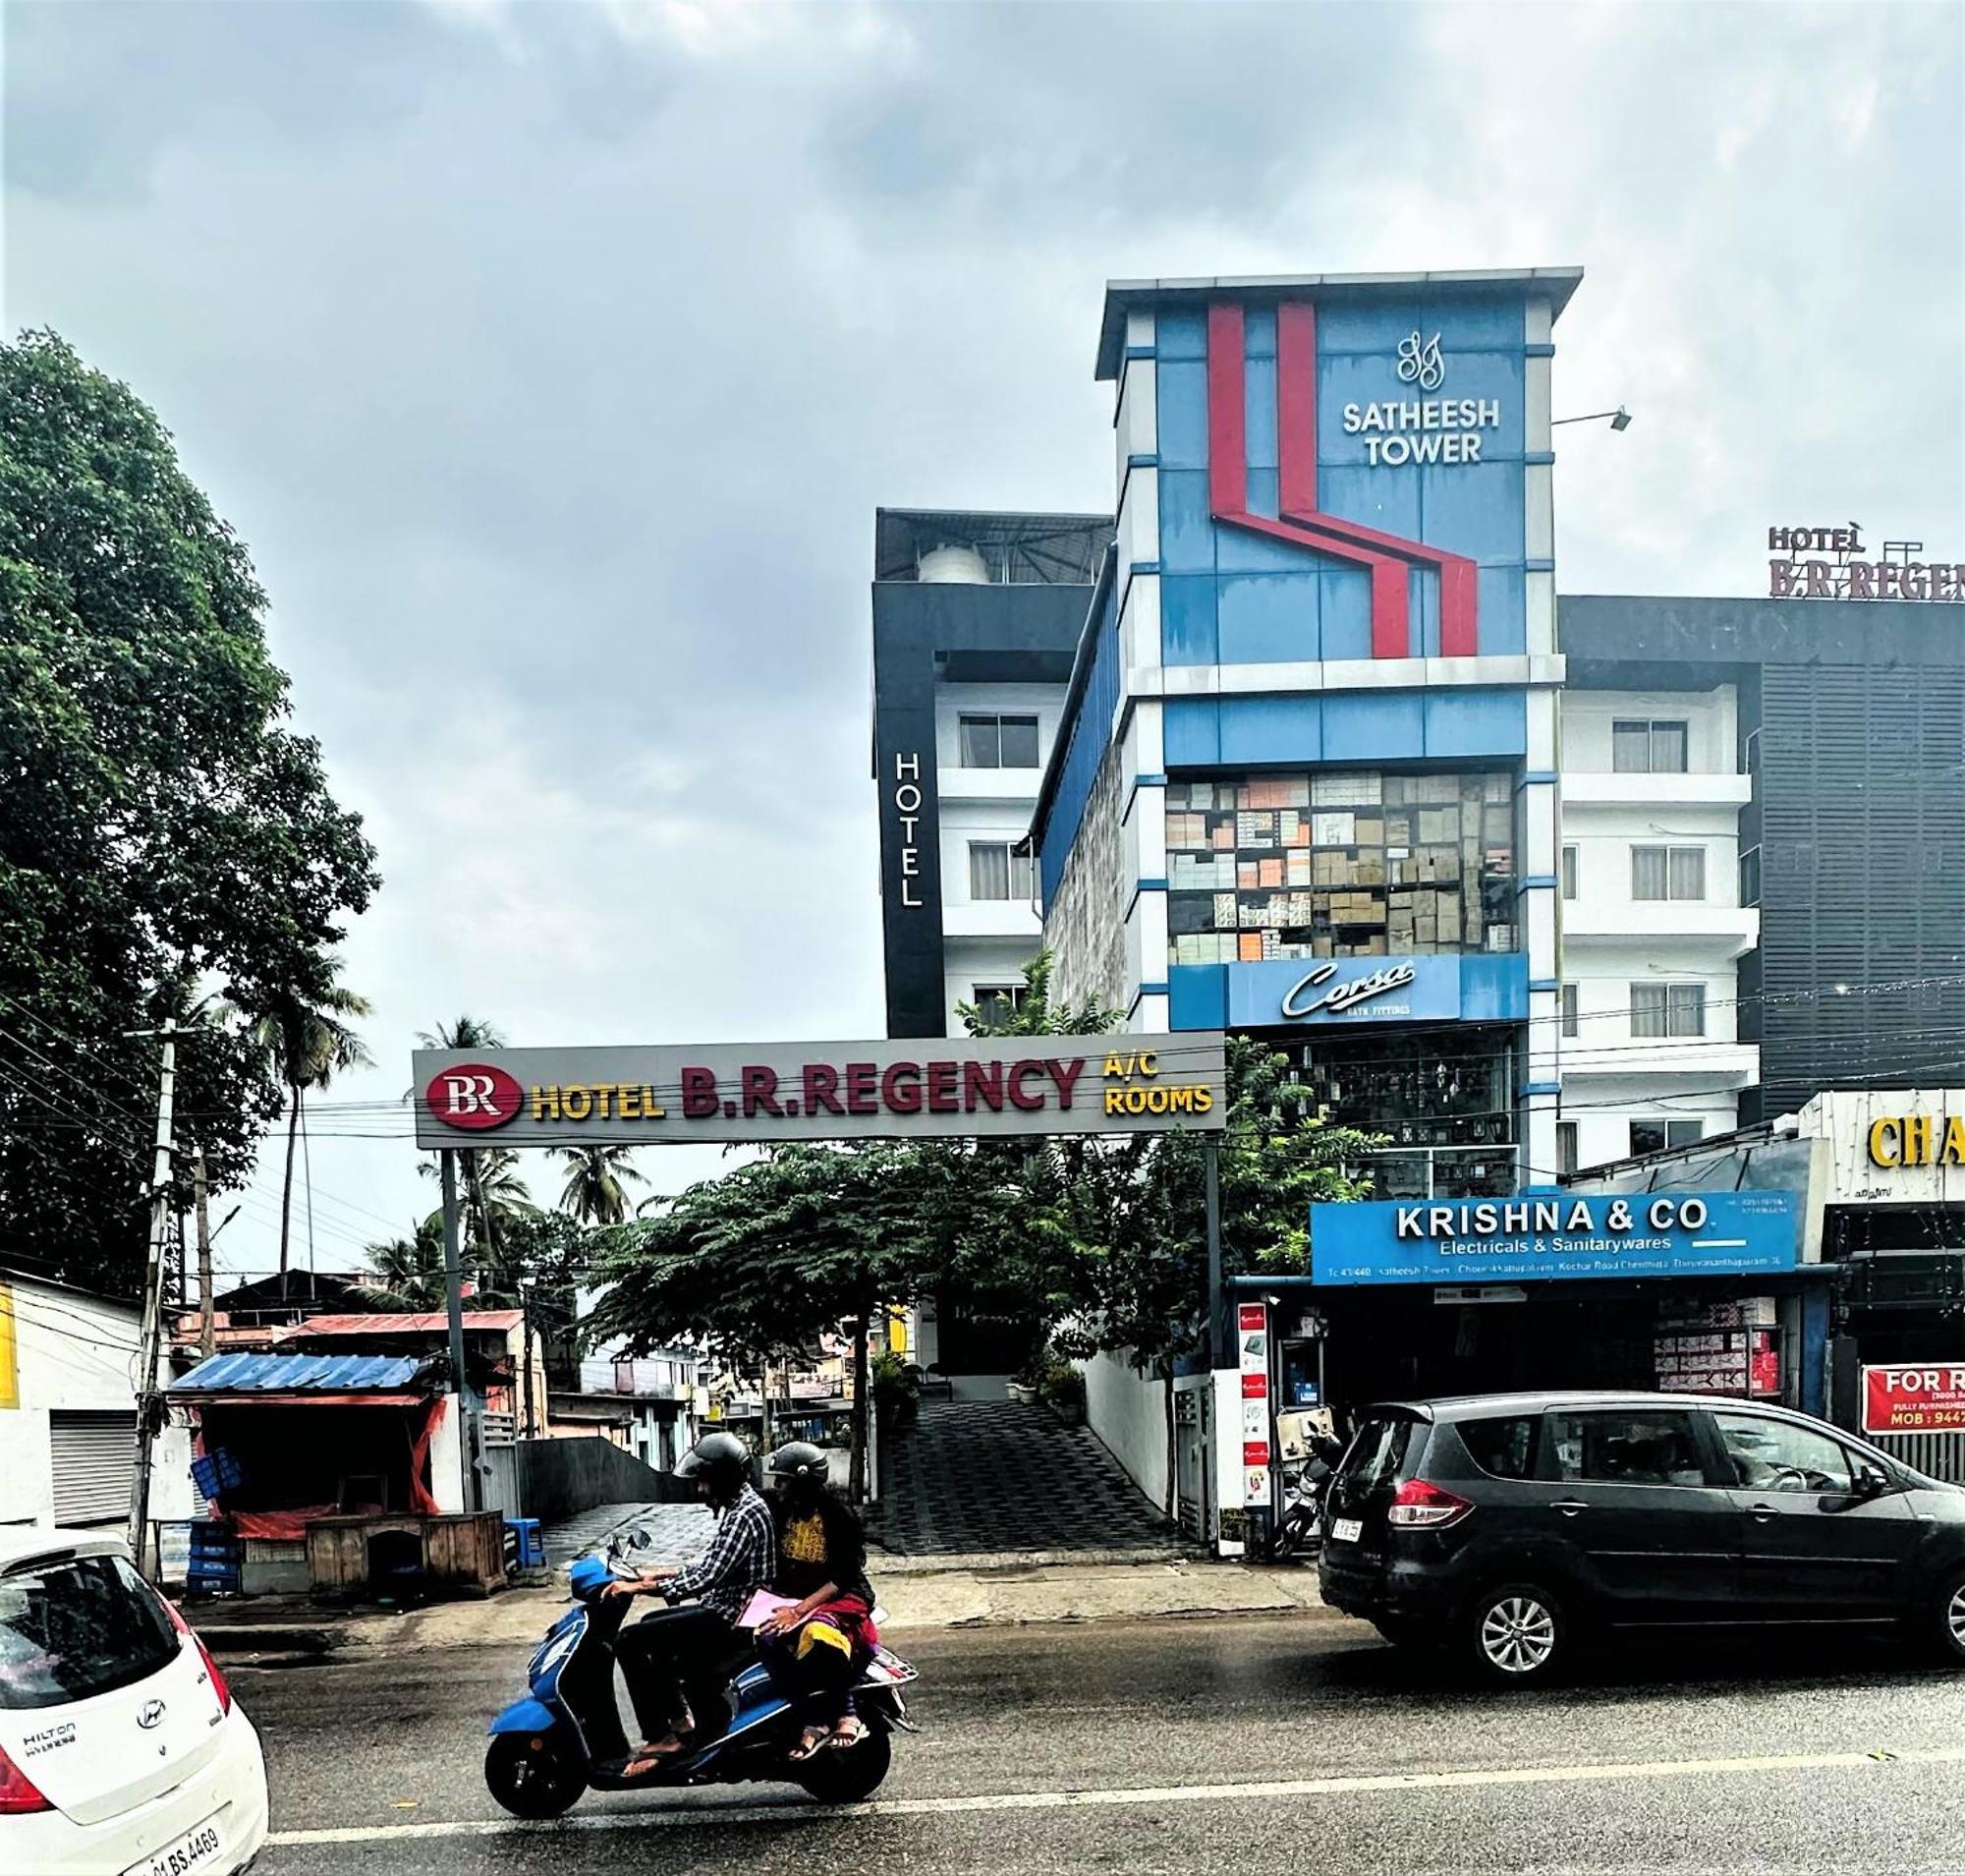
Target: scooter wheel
844, 1774
532, 1775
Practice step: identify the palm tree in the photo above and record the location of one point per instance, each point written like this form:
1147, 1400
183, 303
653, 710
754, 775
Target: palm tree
597, 1183
406, 1272
308, 1043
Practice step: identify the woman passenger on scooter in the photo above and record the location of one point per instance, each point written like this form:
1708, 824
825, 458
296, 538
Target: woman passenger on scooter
818, 1647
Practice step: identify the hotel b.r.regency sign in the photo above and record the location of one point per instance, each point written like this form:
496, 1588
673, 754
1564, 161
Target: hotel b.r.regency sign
820, 1090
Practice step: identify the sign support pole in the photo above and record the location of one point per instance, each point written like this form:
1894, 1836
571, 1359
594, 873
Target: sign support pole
453, 1290
1221, 1351
151, 1334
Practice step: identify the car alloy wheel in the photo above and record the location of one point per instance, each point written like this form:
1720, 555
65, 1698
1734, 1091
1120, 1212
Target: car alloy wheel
1955, 1616
1518, 1634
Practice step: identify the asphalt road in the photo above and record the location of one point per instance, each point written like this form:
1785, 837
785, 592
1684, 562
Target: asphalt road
1239, 1745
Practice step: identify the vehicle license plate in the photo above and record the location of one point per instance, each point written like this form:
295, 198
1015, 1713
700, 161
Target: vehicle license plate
194, 1850
1346, 1530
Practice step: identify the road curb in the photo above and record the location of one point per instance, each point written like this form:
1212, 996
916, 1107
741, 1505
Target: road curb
982, 1562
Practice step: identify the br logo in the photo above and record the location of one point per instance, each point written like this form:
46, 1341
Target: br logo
473, 1095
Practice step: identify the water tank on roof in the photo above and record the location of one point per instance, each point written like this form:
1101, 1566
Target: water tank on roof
953, 565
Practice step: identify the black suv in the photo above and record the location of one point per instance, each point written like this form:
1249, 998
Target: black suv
1501, 1525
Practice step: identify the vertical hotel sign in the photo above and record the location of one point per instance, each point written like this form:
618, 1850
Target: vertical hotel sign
1251, 1338
10, 1367
907, 800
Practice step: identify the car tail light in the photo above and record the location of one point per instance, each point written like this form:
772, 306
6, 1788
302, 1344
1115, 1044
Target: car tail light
1428, 1506
18, 1792
196, 1640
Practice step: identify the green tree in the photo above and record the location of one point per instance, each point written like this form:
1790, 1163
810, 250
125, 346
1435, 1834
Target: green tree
160, 827
597, 1183
308, 1042
771, 1255
406, 1272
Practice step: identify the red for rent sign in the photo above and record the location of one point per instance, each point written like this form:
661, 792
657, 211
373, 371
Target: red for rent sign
1928, 1399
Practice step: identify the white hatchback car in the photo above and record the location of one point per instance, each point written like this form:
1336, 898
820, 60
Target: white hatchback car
122, 1751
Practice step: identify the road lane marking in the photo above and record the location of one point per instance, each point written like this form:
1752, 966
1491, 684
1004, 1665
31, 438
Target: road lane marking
1335, 1785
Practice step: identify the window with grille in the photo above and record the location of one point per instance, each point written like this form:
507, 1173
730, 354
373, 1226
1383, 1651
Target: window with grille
996, 1004
1668, 873
1565, 1145
1569, 873
1569, 1010
997, 872
999, 742
1647, 746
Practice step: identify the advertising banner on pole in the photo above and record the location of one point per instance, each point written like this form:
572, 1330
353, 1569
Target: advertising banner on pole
764, 1092
1251, 1335
1925, 1398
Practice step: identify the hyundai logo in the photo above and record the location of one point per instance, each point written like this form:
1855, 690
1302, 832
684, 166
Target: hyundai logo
152, 1715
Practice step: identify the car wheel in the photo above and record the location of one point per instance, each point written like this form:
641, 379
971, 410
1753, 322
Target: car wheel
533, 1774
1948, 1631
844, 1774
1516, 1634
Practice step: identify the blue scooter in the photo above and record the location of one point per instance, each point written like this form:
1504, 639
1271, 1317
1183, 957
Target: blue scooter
566, 1734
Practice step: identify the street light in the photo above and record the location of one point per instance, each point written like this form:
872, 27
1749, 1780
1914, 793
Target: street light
1621, 418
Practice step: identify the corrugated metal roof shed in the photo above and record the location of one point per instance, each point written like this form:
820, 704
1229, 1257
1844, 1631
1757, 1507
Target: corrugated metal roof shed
297, 1374
423, 1323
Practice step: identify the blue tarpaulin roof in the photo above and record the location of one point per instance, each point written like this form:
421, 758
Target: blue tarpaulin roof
297, 1374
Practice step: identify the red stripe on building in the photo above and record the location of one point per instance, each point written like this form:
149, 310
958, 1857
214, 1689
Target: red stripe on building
1228, 412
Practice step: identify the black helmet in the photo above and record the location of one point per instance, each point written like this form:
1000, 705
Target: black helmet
799, 1462
719, 1458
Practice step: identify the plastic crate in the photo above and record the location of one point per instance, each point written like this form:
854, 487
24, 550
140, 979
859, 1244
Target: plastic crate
217, 1473
524, 1543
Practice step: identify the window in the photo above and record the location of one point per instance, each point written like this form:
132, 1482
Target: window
1569, 872
1668, 873
999, 742
1667, 1010
1772, 1455
1644, 746
1375, 1457
997, 872
1623, 1447
996, 1004
74, 1630
1565, 1145
1506, 1449
1340, 863
1654, 1136
1571, 1018
1750, 877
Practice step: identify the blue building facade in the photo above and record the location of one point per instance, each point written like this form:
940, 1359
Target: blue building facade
1306, 782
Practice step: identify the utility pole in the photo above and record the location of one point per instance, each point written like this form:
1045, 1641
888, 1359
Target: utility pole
148, 1399
207, 1332
453, 1290
526, 1305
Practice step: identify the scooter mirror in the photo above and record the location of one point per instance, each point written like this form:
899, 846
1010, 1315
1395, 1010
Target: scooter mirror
642, 1537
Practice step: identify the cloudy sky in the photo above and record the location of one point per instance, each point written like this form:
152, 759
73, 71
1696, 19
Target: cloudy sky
553, 358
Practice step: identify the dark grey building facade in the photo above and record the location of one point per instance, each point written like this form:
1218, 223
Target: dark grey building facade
975, 620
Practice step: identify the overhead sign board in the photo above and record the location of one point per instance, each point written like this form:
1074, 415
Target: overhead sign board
1553, 1235
1926, 1397
1015, 1085
1831, 563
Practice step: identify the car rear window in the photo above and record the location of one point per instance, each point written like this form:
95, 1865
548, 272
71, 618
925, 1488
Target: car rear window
1377, 1454
1503, 1446
83, 1626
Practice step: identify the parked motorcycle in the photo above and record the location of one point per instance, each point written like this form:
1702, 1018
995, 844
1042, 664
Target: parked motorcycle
566, 1735
1300, 1528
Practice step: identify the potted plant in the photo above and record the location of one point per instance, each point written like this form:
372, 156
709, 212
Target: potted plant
1062, 1390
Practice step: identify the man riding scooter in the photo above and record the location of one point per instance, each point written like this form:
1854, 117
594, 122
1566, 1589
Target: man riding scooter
678, 1658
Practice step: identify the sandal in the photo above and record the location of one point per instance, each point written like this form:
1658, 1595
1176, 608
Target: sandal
848, 1734
808, 1744
650, 1756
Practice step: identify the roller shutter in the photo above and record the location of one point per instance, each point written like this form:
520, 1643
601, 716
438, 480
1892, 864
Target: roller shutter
94, 1457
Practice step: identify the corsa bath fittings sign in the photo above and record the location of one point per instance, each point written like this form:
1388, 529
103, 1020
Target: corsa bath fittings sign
820, 1091
1925, 1398
1555, 1235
